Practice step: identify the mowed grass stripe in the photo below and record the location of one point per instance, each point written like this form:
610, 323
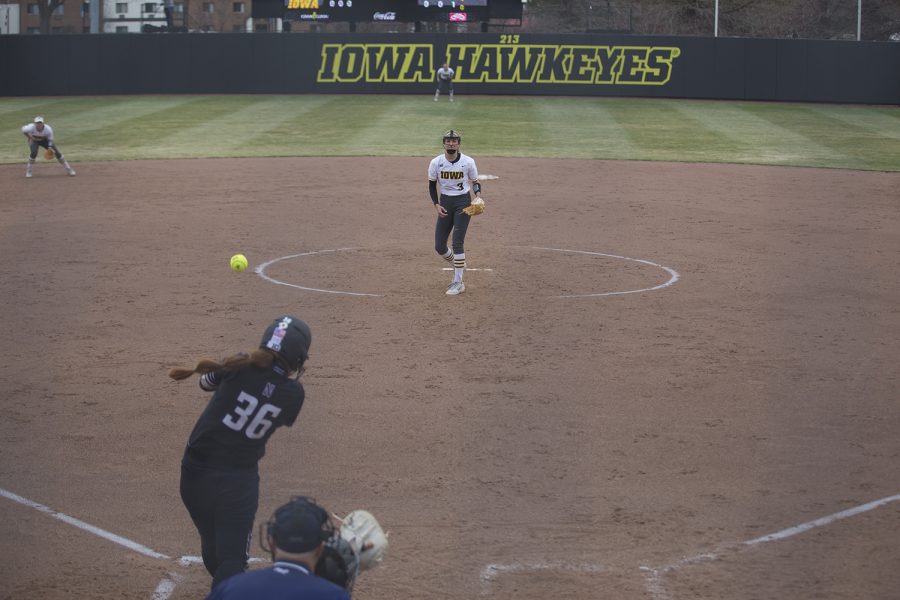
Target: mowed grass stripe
884, 123
371, 124
417, 123
879, 139
126, 127
107, 130
188, 130
104, 113
26, 109
71, 117
111, 128
658, 130
295, 134
256, 122
752, 139
497, 126
143, 134
840, 143
310, 129
580, 127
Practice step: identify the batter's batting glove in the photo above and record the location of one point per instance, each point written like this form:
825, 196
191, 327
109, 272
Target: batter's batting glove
476, 208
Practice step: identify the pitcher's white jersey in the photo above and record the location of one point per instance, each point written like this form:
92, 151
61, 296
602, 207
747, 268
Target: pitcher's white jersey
38, 136
454, 178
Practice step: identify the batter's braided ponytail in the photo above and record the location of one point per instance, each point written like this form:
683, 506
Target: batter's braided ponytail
261, 357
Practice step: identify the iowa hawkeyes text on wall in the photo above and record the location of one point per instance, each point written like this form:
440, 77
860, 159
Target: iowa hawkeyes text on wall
500, 63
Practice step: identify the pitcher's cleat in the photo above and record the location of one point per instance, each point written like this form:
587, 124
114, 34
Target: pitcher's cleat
456, 288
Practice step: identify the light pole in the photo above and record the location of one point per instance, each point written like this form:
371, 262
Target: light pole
858, 20
716, 34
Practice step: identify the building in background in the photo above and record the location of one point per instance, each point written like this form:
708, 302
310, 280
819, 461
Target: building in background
70, 17
136, 16
130, 16
9, 19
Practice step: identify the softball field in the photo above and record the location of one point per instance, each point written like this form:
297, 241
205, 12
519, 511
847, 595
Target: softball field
665, 381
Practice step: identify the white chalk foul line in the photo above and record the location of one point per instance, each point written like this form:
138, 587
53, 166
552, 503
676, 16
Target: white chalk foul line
166, 587
261, 271
467, 269
187, 561
655, 575
490, 572
83, 526
850, 512
673, 274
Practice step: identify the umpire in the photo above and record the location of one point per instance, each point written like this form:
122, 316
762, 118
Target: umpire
253, 395
296, 535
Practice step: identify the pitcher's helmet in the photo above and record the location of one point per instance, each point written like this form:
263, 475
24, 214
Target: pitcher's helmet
290, 338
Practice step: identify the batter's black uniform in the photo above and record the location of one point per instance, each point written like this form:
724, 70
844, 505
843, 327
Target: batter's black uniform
219, 477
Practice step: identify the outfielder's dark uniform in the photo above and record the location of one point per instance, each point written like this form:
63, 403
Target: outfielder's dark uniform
284, 581
219, 477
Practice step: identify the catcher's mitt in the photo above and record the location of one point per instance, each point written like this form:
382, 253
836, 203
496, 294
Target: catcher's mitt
476, 208
338, 564
48, 153
366, 537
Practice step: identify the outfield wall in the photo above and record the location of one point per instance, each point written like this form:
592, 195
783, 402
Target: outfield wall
577, 65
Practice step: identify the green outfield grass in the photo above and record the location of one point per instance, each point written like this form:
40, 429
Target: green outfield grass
151, 127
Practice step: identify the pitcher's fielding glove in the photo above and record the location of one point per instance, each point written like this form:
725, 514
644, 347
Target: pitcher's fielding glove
48, 153
476, 208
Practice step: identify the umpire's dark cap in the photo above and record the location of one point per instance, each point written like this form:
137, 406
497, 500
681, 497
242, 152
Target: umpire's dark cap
300, 526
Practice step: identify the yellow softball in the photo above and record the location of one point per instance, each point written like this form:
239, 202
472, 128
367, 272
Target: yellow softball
239, 262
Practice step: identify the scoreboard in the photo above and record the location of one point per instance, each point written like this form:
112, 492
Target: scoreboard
361, 11
358, 11
452, 10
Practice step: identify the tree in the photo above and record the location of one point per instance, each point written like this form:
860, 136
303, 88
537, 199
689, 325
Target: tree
806, 19
46, 8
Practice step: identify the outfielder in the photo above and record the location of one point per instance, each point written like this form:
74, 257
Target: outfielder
40, 135
253, 395
455, 173
445, 81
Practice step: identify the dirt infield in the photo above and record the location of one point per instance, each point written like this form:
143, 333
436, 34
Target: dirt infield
542, 435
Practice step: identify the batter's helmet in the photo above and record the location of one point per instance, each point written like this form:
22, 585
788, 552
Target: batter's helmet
452, 135
299, 526
290, 338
